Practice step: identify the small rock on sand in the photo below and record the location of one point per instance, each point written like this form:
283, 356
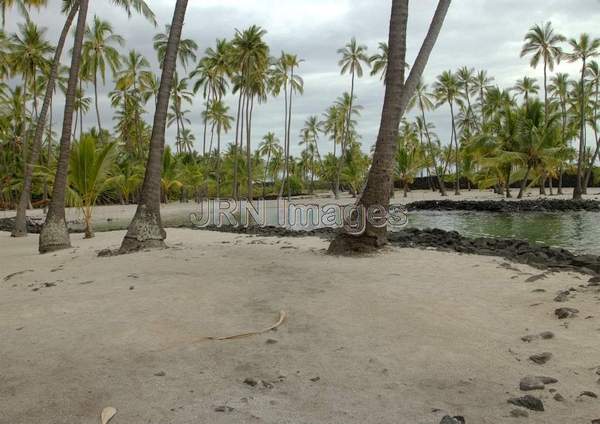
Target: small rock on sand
531, 383
223, 408
563, 313
453, 420
535, 383
528, 402
588, 394
541, 358
559, 398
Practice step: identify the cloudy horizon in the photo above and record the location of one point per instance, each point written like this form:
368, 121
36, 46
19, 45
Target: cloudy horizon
481, 34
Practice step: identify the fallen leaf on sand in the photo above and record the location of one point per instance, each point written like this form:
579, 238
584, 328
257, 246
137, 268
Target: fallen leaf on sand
107, 414
282, 318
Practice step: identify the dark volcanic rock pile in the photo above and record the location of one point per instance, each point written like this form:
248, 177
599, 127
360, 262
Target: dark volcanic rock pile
34, 226
539, 205
516, 250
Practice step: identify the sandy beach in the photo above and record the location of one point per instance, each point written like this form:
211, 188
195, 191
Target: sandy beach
404, 336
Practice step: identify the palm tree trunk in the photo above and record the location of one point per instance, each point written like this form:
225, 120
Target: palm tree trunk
457, 153
218, 161
289, 128
345, 132
560, 181
20, 228
235, 151
545, 90
145, 230
205, 123
508, 172
266, 171
397, 96
249, 107
578, 185
96, 102
590, 169
54, 234
431, 152
285, 144
524, 183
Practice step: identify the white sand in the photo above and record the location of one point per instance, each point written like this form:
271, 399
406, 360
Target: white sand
404, 336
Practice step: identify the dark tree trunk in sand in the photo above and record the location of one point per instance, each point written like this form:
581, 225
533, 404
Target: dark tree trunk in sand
397, 95
54, 234
20, 228
145, 230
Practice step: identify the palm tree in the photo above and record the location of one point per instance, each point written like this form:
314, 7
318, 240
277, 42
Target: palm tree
447, 90
22, 5
284, 76
397, 96
98, 53
482, 84
379, 61
145, 230
542, 43
526, 87
353, 56
268, 147
593, 72
582, 50
54, 234
467, 83
559, 89
217, 114
89, 174
211, 72
425, 102
187, 48
250, 55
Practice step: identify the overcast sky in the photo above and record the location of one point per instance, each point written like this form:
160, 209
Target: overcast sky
483, 34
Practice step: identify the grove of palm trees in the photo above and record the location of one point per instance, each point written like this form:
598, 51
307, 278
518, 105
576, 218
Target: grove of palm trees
474, 188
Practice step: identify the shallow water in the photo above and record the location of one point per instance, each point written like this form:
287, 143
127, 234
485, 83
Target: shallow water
578, 232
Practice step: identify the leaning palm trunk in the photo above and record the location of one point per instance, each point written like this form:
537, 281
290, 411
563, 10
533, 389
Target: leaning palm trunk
54, 234
397, 96
20, 228
145, 230
285, 143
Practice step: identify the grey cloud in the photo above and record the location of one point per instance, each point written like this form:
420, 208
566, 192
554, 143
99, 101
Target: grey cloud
484, 34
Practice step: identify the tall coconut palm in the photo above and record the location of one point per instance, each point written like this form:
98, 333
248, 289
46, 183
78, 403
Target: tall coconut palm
396, 99
447, 91
559, 90
543, 44
218, 116
593, 74
145, 230
379, 61
99, 53
187, 48
250, 55
211, 73
582, 50
54, 234
425, 101
526, 87
285, 77
467, 83
354, 55
483, 83
268, 147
